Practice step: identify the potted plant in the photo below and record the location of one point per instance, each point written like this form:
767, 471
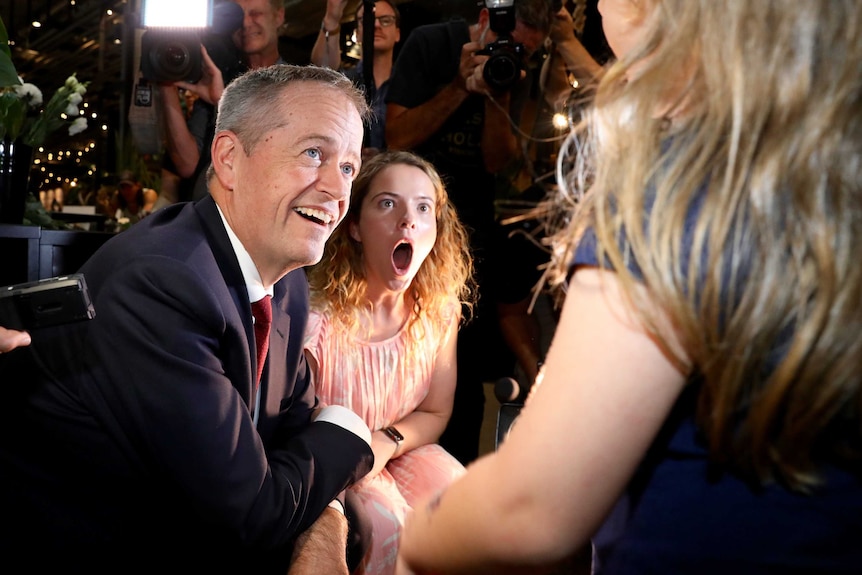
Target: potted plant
25, 123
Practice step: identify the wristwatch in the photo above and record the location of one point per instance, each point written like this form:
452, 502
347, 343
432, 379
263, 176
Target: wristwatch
393, 434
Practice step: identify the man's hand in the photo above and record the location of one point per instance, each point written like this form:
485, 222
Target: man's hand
471, 63
211, 84
562, 27
334, 12
322, 548
11, 338
471, 72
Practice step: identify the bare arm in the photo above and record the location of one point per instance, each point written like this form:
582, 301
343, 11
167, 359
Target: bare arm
407, 128
569, 456
179, 141
322, 548
326, 50
576, 57
429, 419
568, 55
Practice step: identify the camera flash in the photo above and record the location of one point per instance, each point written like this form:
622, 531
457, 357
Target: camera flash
170, 13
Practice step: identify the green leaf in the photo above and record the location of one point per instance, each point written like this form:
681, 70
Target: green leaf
36, 134
4, 39
12, 114
8, 75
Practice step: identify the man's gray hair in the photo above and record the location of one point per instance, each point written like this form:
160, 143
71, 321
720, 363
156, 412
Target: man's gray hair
251, 104
535, 13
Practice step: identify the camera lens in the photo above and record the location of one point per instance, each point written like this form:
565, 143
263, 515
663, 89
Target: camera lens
501, 71
172, 60
169, 56
174, 56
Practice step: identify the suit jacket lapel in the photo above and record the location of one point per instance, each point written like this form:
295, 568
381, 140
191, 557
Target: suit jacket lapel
229, 265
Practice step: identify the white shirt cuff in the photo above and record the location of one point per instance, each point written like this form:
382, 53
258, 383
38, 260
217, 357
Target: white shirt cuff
344, 418
337, 505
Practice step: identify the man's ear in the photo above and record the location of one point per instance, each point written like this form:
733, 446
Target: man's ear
225, 148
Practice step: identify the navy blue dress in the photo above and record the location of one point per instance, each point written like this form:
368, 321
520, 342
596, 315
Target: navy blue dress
682, 514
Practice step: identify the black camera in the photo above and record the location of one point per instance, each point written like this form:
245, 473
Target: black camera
505, 56
47, 302
170, 49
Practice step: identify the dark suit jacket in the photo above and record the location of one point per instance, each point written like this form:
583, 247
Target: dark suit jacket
133, 432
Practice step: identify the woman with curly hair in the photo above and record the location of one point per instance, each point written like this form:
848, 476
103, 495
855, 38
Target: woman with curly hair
387, 298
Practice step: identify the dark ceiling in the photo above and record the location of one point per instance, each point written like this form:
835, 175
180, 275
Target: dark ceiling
95, 39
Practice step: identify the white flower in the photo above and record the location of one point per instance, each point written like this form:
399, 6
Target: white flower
28, 117
78, 126
74, 98
30, 93
73, 85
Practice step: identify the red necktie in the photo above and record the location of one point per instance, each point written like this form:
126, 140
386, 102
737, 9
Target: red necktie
262, 312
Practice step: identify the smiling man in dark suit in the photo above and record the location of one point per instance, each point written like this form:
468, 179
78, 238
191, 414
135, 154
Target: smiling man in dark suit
142, 439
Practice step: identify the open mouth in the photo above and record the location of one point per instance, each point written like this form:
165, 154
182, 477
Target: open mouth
402, 255
316, 216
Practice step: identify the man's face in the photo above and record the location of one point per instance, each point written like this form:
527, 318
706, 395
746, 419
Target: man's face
530, 37
259, 26
287, 196
385, 37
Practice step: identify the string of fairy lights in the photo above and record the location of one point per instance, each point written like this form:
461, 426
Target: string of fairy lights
70, 161
63, 160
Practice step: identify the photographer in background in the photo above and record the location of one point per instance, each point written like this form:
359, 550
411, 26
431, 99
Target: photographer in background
441, 106
188, 142
387, 33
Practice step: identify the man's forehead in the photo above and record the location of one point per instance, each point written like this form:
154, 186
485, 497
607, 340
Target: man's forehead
318, 103
255, 4
380, 8
312, 89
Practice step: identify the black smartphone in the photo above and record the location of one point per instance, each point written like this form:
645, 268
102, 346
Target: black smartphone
47, 302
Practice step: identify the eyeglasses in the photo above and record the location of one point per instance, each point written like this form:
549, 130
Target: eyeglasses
384, 21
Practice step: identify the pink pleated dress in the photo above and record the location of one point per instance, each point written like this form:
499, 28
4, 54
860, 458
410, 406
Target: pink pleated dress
382, 383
